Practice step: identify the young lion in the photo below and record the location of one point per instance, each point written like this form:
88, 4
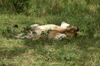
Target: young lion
57, 32
65, 27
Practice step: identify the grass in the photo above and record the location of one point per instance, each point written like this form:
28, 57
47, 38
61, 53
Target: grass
80, 51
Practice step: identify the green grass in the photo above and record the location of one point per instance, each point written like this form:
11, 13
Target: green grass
79, 51
84, 50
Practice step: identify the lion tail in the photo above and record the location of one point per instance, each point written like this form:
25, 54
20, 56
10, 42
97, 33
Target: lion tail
14, 27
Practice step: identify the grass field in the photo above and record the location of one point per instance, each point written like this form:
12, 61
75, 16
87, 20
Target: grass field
84, 50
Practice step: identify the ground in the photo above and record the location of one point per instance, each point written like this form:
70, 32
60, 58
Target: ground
79, 51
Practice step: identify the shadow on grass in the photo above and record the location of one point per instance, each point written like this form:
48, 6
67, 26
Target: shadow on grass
40, 47
86, 44
44, 42
81, 43
11, 52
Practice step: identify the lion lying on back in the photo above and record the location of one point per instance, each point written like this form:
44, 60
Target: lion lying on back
56, 32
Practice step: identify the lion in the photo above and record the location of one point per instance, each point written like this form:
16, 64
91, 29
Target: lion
64, 27
53, 34
57, 32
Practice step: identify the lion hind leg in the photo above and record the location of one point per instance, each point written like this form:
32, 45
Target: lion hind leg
62, 30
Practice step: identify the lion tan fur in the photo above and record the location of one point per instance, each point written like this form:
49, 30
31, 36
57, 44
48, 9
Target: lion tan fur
57, 32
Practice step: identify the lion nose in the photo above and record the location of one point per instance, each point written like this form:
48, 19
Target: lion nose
77, 29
